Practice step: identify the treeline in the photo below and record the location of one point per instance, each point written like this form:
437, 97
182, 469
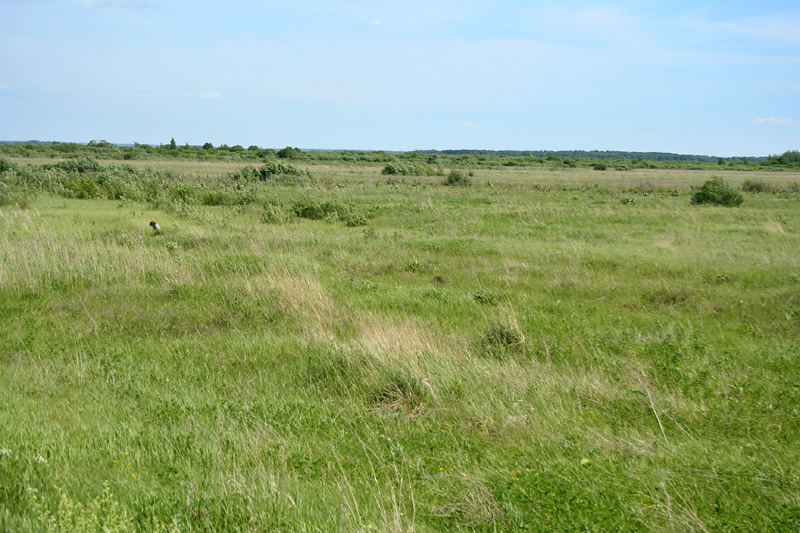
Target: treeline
600, 154
598, 160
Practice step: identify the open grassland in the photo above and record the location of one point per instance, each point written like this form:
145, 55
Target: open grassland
561, 350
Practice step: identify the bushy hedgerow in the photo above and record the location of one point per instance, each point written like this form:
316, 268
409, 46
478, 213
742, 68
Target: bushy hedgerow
717, 191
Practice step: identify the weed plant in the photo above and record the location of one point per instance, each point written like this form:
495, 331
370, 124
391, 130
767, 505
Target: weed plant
528, 353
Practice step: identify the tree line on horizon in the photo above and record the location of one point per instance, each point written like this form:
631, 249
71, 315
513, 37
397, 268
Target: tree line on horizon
599, 160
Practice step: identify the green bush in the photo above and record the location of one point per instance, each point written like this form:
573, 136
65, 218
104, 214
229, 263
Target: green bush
456, 177
212, 198
81, 165
717, 191
396, 168
82, 187
756, 186
273, 170
6, 165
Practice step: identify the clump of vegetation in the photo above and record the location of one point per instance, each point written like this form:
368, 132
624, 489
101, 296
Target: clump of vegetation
756, 186
486, 298
457, 177
396, 168
273, 170
315, 209
104, 513
81, 165
717, 191
402, 391
6, 165
503, 339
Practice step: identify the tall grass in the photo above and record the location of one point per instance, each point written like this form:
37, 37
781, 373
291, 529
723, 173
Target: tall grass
526, 353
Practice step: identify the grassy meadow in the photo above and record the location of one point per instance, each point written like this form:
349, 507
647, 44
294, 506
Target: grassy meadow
329, 348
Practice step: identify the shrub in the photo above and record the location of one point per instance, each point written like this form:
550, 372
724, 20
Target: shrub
456, 177
6, 165
756, 186
272, 170
354, 220
395, 168
316, 210
290, 153
80, 165
212, 198
599, 166
15, 195
82, 187
717, 191
274, 212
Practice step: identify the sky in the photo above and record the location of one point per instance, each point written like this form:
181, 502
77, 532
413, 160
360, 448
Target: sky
718, 78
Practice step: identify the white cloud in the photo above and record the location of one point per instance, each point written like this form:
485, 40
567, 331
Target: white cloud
375, 22
467, 125
3, 86
772, 120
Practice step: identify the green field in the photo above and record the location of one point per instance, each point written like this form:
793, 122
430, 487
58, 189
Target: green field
323, 347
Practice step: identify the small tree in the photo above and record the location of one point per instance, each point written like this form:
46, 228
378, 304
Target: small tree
717, 191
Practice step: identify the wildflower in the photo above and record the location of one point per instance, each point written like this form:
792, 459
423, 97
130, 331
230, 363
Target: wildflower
40, 459
5, 451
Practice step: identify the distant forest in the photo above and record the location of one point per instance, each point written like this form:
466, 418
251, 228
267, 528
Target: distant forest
432, 160
597, 154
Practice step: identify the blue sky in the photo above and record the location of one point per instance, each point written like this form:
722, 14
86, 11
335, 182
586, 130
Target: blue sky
713, 78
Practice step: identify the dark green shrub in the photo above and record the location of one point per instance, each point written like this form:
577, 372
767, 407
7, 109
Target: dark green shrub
81, 165
6, 165
457, 177
599, 166
277, 170
290, 153
717, 191
392, 169
212, 198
